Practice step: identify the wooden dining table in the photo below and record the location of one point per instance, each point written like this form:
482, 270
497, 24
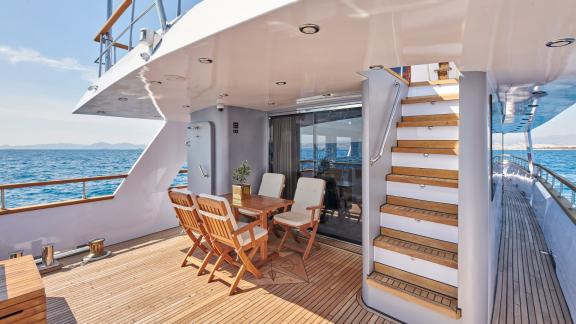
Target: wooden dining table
264, 206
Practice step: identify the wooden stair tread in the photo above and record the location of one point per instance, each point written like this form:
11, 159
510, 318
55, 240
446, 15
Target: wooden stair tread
430, 123
422, 214
433, 98
413, 293
418, 280
426, 172
425, 150
430, 181
419, 239
445, 144
434, 83
419, 251
422, 204
438, 117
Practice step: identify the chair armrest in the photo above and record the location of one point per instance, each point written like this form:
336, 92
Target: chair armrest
248, 228
312, 210
315, 207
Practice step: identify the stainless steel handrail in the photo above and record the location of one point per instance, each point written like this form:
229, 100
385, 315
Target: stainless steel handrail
108, 43
388, 125
562, 187
83, 181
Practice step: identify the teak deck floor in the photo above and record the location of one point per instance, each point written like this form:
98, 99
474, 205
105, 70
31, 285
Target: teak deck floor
527, 289
143, 282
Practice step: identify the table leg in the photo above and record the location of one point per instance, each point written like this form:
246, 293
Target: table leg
264, 220
264, 252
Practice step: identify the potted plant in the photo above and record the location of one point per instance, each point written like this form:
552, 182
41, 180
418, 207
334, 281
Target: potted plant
240, 189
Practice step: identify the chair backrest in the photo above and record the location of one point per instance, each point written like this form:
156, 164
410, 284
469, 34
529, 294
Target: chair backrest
217, 218
309, 193
186, 212
272, 185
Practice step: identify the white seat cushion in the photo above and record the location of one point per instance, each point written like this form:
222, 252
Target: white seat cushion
292, 218
245, 238
248, 212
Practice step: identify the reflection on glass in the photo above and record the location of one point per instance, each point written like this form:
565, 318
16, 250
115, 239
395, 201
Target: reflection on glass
330, 148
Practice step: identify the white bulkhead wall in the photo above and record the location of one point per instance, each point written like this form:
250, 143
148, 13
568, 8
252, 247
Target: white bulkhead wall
475, 249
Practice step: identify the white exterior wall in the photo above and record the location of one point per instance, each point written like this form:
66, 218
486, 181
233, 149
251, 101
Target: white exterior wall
560, 234
140, 206
475, 283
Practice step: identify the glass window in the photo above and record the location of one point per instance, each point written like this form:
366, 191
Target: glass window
330, 148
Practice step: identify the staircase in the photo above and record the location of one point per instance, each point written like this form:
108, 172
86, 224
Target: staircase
416, 253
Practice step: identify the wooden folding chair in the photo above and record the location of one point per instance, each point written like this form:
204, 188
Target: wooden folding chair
229, 235
304, 214
186, 212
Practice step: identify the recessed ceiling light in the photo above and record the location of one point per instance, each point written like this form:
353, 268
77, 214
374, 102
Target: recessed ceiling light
561, 42
205, 60
155, 82
309, 29
93, 87
281, 83
532, 105
174, 77
123, 99
101, 112
376, 67
186, 106
271, 103
223, 95
326, 95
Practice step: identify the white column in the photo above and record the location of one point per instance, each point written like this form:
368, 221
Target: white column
474, 199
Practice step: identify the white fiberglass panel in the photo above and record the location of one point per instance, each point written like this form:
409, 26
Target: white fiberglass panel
432, 90
431, 108
423, 192
420, 227
428, 133
417, 266
419, 160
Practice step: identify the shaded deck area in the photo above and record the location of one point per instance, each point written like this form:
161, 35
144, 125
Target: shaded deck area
143, 282
527, 288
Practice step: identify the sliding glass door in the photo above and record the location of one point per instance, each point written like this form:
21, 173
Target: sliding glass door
326, 145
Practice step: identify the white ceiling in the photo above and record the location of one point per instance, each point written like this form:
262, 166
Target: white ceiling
504, 37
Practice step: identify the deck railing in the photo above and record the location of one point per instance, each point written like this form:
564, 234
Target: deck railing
559, 187
109, 43
84, 181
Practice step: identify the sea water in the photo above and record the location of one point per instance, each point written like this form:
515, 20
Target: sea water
18, 166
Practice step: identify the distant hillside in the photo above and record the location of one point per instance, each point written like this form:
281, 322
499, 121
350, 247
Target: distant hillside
69, 146
546, 142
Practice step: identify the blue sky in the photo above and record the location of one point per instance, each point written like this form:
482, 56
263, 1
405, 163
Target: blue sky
46, 64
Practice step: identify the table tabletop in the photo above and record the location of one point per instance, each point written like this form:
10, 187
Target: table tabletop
258, 204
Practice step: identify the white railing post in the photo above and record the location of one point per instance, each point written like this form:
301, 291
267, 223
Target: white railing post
161, 14
84, 190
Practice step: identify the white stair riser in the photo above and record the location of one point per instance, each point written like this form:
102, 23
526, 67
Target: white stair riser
416, 226
419, 160
420, 267
428, 133
431, 108
433, 90
422, 192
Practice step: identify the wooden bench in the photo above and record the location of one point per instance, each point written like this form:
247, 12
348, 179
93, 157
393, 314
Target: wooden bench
22, 296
